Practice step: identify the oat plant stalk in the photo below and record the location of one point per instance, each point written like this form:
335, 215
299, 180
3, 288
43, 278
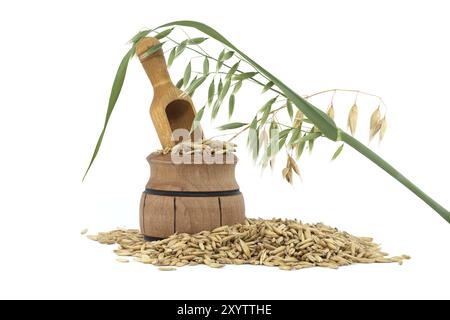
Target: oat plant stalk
322, 123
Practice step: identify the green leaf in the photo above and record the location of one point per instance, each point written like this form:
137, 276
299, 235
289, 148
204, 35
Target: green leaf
187, 74
253, 126
337, 152
237, 87
220, 60
151, 50
196, 40
284, 133
282, 141
253, 138
231, 104
289, 109
139, 36
179, 83
266, 110
221, 93
256, 146
171, 56
311, 145
268, 86
299, 150
205, 66
264, 117
219, 87
232, 70
194, 85
268, 104
254, 123
282, 138
114, 95
224, 90
232, 125
294, 137
227, 55
164, 33
245, 75
198, 117
222, 53
310, 136
216, 108
180, 48
274, 130
211, 91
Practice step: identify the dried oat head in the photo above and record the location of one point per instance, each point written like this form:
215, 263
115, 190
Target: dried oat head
353, 119
298, 119
375, 123
330, 111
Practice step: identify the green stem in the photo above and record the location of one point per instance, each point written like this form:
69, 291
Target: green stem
358, 146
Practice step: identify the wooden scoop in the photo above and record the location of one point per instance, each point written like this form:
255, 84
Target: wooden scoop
171, 109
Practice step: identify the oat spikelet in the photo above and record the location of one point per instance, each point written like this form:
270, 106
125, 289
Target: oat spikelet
287, 174
263, 138
383, 128
375, 123
330, 111
298, 119
293, 165
353, 119
84, 231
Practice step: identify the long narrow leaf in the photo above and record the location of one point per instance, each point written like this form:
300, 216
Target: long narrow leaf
233, 125
164, 33
194, 85
115, 92
231, 103
245, 75
151, 50
198, 117
196, 40
205, 66
267, 87
337, 152
211, 91
171, 56
237, 87
232, 70
139, 36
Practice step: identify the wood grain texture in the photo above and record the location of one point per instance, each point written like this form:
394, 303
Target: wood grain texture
141, 212
166, 175
232, 209
163, 215
158, 216
170, 108
197, 214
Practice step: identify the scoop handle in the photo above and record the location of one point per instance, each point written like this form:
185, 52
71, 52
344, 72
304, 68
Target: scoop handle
154, 65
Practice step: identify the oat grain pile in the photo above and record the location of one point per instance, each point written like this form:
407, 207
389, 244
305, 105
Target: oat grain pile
287, 244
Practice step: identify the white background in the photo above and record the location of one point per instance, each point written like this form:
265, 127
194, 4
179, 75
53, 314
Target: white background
58, 59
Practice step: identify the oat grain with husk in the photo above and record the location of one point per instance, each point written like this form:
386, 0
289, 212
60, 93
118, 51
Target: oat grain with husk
286, 244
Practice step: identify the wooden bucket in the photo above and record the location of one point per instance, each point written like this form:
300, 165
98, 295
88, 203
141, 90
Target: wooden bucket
189, 197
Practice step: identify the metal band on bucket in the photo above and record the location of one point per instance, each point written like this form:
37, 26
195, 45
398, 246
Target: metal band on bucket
167, 193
